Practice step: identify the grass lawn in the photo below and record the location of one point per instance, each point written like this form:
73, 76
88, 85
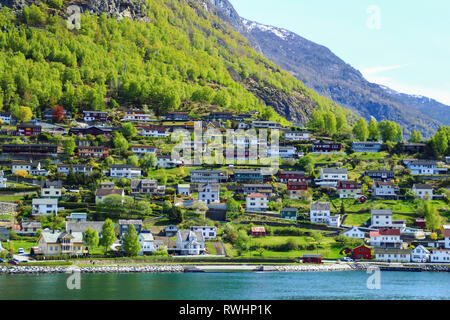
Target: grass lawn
327, 251
26, 245
210, 248
11, 198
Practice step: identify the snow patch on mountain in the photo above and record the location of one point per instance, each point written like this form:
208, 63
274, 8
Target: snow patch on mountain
279, 32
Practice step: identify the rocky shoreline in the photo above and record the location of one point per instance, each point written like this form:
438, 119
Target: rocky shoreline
237, 268
108, 269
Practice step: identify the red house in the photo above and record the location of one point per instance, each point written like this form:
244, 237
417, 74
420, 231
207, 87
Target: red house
362, 252
28, 129
326, 147
286, 176
312, 258
421, 223
100, 116
293, 185
258, 232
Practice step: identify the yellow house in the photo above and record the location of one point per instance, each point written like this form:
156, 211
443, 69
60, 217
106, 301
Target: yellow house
59, 243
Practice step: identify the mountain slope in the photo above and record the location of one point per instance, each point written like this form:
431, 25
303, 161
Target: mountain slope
181, 58
324, 72
319, 69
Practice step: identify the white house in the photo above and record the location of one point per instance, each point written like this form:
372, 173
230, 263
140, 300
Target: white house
334, 221
137, 116
147, 243
184, 189
209, 193
209, 233
257, 202
423, 167
354, 232
297, 136
423, 191
51, 189
125, 171
282, 152
266, 125
76, 168
190, 242
440, 256
101, 194
44, 206
386, 238
141, 150
320, 212
420, 254
5, 117
381, 218
392, 255
154, 132
34, 170
166, 161
331, 176
381, 189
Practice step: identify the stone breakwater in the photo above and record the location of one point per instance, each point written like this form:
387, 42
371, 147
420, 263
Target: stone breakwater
321, 268
108, 269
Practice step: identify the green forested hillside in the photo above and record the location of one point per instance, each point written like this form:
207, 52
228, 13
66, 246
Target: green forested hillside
181, 59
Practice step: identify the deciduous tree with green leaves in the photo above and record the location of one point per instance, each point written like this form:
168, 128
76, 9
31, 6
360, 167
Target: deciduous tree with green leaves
130, 243
108, 234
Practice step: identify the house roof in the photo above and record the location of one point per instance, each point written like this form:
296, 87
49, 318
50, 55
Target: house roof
300, 173
128, 222
391, 251
256, 195
146, 236
38, 201
378, 184
82, 226
188, 235
422, 186
56, 236
334, 170
385, 232
137, 183
31, 224
215, 187
55, 184
107, 192
381, 212
320, 206
258, 229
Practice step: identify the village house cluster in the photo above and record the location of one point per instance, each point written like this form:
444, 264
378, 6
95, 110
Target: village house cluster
290, 194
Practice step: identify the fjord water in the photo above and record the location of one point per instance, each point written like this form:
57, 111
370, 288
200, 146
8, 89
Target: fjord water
229, 286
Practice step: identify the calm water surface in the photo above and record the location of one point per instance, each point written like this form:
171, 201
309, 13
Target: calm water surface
229, 286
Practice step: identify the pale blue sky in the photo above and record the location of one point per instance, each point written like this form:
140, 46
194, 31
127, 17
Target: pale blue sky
410, 52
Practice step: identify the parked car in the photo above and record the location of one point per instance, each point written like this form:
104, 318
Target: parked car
346, 259
2, 261
21, 251
13, 261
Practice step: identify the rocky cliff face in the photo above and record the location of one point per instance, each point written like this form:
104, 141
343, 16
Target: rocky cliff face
133, 9
225, 11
